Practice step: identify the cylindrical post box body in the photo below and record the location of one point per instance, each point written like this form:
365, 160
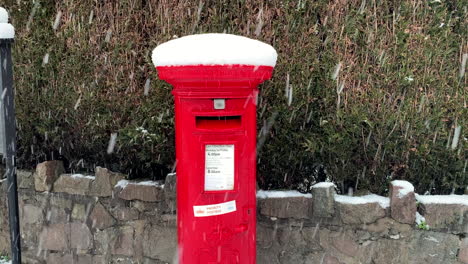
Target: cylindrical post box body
215, 119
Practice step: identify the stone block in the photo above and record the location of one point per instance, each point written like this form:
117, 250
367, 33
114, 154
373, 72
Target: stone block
102, 241
446, 217
145, 206
331, 260
4, 244
80, 236
387, 251
139, 227
31, 214
30, 260
84, 259
57, 215
433, 247
57, 258
46, 174
463, 255
122, 244
98, 259
55, 237
290, 207
323, 195
346, 245
73, 184
386, 227
147, 191
57, 200
79, 212
105, 182
170, 191
125, 213
360, 213
403, 202
25, 179
160, 243
100, 218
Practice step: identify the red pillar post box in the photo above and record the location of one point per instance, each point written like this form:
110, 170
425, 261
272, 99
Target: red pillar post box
215, 79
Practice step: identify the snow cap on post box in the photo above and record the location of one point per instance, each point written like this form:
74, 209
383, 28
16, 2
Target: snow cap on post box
214, 61
7, 31
214, 49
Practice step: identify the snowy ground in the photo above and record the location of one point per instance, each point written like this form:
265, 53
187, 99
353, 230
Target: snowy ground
5, 262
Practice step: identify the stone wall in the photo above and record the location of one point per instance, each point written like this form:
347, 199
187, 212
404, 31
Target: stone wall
105, 219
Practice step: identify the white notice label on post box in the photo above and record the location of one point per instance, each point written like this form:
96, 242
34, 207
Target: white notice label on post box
214, 209
219, 167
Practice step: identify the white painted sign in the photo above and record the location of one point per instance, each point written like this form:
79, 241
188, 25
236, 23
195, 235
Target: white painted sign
219, 167
214, 209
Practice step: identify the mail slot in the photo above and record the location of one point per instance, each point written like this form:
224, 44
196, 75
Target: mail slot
215, 94
218, 122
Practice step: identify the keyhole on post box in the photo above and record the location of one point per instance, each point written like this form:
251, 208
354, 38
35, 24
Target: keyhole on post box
219, 104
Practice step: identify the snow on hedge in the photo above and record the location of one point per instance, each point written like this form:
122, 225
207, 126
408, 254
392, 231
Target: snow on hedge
405, 187
281, 194
214, 49
7, 31
366, 199
443, 199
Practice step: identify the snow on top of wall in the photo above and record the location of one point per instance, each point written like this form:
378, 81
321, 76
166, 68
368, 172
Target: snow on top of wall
281, 194
443, 199
124, 183
83, 176
370, 198
149, 183
419, 219
3, 15
324, 185
405, 187
214, 49
7, 31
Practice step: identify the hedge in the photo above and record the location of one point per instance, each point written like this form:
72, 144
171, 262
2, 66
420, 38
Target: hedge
364, 92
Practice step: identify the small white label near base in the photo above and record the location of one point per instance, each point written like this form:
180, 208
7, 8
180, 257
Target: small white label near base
214, 209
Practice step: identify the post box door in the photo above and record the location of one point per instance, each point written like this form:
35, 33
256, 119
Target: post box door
223, 211
219, 180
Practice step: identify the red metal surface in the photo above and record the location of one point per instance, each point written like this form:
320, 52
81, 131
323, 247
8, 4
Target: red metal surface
226, 238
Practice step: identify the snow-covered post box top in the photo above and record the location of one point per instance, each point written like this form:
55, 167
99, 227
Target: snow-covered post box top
7, 31
216, 61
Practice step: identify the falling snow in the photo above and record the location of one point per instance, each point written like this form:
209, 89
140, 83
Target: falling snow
112, 141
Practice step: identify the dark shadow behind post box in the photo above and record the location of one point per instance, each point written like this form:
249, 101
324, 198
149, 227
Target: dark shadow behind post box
215, 119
